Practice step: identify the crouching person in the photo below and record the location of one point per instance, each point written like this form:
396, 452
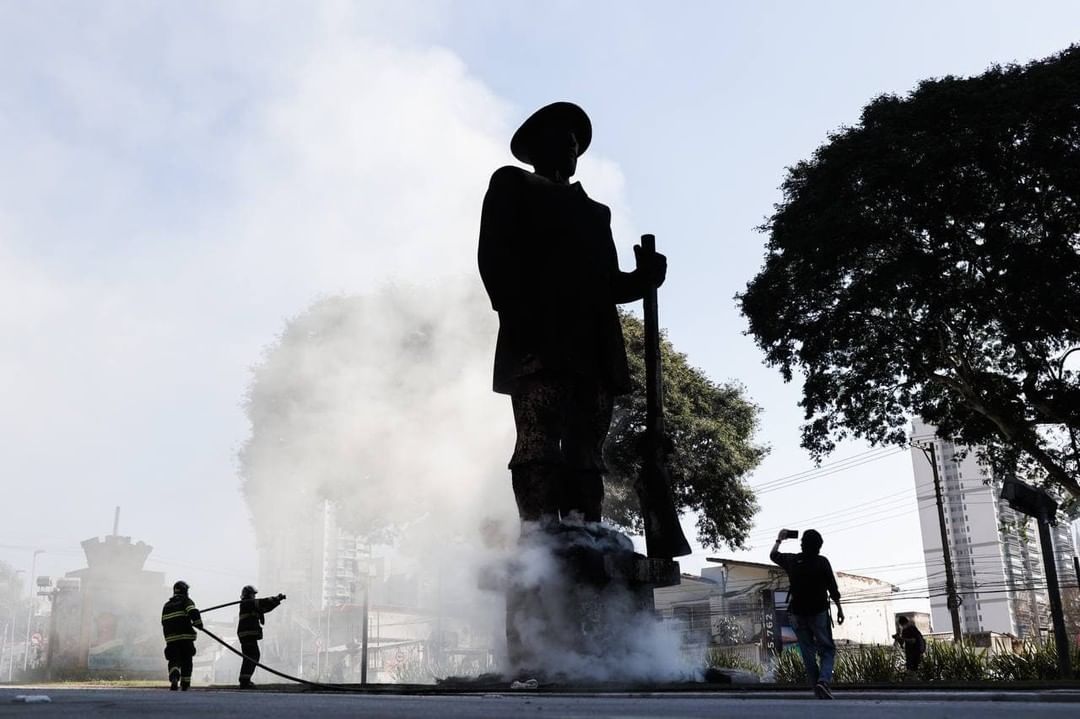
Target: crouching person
249, 629
913, 642
179, 618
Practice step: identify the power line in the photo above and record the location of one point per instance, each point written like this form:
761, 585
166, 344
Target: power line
852, 508
825, 470
836, 521
826, 465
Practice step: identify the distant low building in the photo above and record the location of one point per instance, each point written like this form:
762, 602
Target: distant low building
738, 603
921, 620
106, 618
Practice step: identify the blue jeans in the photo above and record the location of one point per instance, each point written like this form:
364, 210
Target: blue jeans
815, 639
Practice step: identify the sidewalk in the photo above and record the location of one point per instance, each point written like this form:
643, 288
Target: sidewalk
1048, 692
922, 695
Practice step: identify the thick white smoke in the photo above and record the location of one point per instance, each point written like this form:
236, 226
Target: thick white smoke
219, 167
382, 404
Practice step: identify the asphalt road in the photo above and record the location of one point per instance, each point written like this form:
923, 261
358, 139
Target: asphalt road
263, 703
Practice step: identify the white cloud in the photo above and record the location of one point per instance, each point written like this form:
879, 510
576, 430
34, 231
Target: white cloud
179, 180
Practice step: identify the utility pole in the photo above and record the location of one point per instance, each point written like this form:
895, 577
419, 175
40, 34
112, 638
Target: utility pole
364, 624
30, 611
326, 649
952, 598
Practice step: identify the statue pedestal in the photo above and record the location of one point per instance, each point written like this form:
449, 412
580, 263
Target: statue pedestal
577, 597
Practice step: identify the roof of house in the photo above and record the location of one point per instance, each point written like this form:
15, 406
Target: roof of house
695, 578
775, 568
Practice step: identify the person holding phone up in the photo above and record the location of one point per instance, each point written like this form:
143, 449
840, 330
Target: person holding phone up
812, 585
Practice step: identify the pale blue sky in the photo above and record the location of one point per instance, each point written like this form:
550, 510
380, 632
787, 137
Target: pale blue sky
170, 168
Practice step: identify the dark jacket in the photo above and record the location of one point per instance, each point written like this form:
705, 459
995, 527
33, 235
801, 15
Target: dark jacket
812, 582
249, 627
912, 639
179, 617
548, 262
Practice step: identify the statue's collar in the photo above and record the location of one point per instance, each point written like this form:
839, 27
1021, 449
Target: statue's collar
576, 188
572, 187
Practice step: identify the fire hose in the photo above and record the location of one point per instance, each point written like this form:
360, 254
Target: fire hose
237, 652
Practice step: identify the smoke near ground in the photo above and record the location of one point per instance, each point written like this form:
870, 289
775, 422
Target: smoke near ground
571, 627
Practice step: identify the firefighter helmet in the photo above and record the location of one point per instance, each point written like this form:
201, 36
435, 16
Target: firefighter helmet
181, 587
248, 592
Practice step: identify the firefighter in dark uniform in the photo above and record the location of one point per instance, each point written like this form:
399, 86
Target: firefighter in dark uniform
179, 618
249, 629
548, 262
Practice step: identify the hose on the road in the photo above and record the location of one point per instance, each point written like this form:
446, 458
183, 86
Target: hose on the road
283, 675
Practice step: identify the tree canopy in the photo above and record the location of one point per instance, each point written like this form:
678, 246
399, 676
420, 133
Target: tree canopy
927, 261
712, 430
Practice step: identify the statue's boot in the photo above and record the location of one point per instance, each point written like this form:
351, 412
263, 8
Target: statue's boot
536, 489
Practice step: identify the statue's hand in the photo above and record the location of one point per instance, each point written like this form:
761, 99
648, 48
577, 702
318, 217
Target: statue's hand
652, 266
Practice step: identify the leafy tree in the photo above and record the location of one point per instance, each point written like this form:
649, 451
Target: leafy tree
726, 631
712, 429
927, 261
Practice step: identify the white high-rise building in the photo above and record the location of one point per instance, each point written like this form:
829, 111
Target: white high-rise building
996, 557
313, 559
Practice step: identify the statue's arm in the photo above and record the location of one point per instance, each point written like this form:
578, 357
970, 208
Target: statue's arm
625, 286
629, 287
497, 232
650, 272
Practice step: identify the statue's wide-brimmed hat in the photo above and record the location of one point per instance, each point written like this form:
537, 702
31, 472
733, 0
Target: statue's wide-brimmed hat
558, 115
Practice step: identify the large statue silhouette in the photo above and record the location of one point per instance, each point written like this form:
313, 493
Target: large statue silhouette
548, 261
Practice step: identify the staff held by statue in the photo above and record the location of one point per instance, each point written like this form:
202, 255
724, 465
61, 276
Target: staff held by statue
664, 537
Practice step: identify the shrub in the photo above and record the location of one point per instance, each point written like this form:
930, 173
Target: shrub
721, 659
789, 668
727, 631
944, 661
875, 663
952, 661
1035, 660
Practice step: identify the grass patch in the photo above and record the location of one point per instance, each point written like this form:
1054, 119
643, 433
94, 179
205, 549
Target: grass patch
721, 659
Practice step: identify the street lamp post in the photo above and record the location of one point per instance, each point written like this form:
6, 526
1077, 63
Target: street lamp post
30, 611
1037, 502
